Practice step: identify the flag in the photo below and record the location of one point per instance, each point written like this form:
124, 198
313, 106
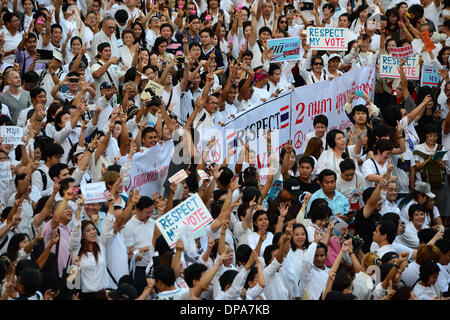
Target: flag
284, 117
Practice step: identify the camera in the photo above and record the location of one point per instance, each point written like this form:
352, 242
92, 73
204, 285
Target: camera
181, 59
357, 242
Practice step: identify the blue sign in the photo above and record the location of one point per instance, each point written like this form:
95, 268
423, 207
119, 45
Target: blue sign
429, 77
285, 49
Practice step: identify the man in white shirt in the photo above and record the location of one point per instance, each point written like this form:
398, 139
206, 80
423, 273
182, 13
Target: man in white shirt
12, 37
106, 68
431, 10
384, 235
205, 118
40, 178
139, 239
107, 34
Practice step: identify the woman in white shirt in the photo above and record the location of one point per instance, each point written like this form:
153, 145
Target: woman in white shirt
291, 265
338, 151
350, 183
128, 50
317, 72
359, 23
426, 288
410, 237
92, 252
260, 226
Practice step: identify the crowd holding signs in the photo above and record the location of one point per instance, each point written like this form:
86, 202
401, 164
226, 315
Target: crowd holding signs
224, 150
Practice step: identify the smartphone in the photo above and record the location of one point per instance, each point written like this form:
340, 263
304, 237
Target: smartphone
307, 6
359, 93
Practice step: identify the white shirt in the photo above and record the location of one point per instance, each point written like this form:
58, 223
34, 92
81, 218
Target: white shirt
426, 293
424, 148
410, 238
11, 43
253, 239
327, 159
370, 167
443, 279
312, 134
313, 279
138, 234
291, 271
176, 294
276, 288
117, 258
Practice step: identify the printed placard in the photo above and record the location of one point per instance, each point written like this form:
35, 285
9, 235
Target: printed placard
389, 67
402, 52
178, 177
94, 192
327, 38
156, 87
192, 212
203, 175
430, 77
285, 49
5, 171
11, 135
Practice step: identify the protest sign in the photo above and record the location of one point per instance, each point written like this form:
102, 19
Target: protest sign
149, 169
178, 177
202, 174
402, 52
94, 192
285, 49
389, 67
430, 77
192, 212
329, 98
327, 38
11, 135
5, 171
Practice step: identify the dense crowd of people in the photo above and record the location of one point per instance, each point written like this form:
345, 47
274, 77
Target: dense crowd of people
359, 214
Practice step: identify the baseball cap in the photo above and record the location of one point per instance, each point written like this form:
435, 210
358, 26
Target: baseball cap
57, 55
105, 85
293, 186
125, 291
425, 188
335, 55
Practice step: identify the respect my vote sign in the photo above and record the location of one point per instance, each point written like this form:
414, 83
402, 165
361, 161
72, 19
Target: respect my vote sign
11, 135
285, 49
390, 67
327, 38
192, 212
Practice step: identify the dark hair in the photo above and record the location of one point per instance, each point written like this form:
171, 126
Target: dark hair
319, 213
227, 278
165, 274
58, 118
164, 25
193, 272
282, 153
341, 281
272, 68
141, 40
391, 216
425, 235
321, 118
443, 245
207, 30
255, 217
36, 91
7, 17
413, 208
264, 29
56, 169
402, 293
147, 130
326, 173
55, 26
347, 164
225, 176
243, 253
367, 193
121, 16
323, 246
30, 279
14, 243
84, 248
251, 276
389, 229
30, 77
331, 137
51, 149
427, 269
295, 226
64, 185
306, 159
144, 202
360, 108
267, 255
383, 145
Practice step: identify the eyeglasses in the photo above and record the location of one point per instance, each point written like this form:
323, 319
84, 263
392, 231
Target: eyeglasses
318, 63
282, 21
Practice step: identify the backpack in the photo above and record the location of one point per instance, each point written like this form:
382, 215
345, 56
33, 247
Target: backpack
432, 172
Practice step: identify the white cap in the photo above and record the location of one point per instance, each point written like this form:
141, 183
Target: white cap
335, 55
57, 55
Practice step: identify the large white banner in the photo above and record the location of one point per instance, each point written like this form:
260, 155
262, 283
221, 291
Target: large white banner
149, 169
328, 98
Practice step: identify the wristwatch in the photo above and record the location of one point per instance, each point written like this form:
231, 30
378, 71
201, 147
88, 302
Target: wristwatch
53, 74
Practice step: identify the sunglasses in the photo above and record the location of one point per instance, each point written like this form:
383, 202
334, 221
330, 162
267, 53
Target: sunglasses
318, 63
